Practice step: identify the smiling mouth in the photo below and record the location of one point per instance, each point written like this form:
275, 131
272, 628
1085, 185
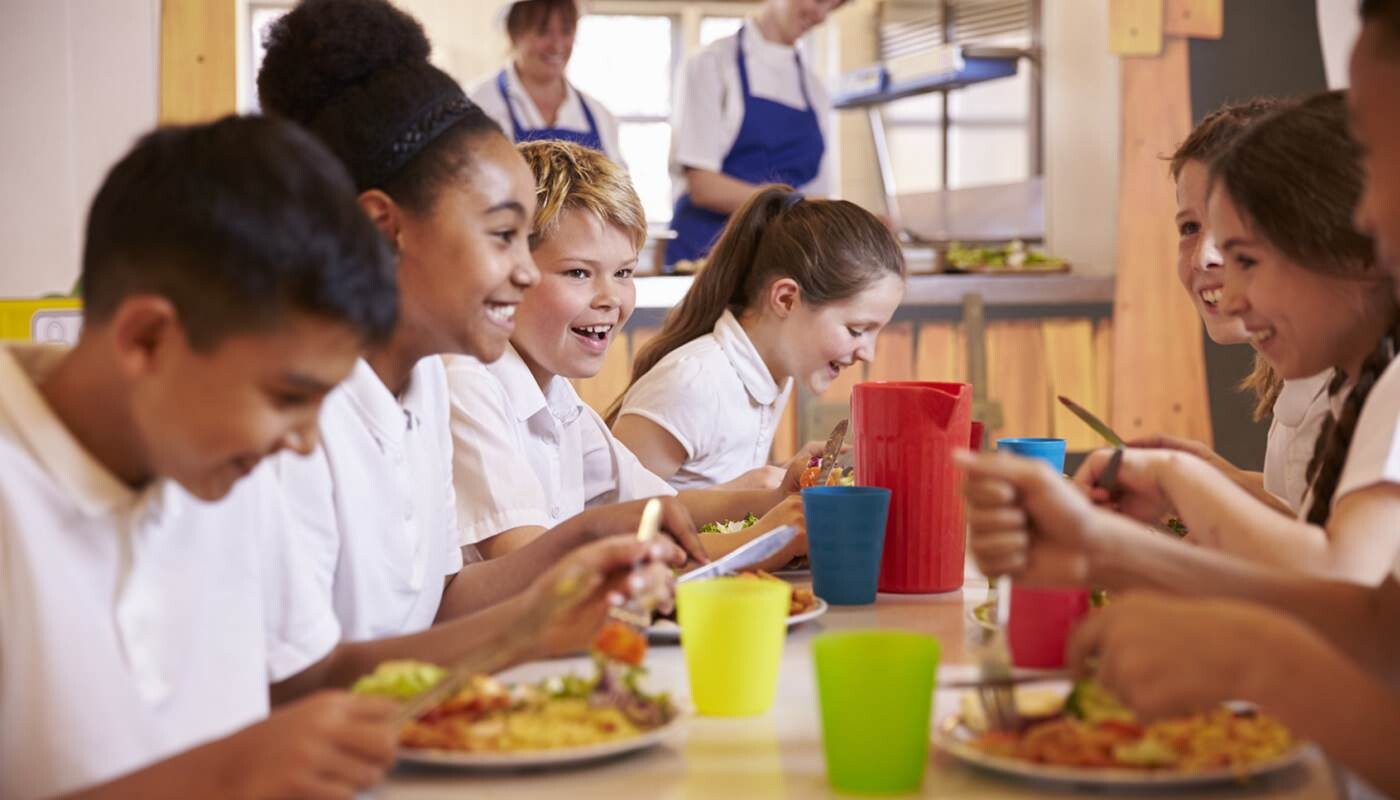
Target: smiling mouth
1211, 297
1260, 336
501, 313
598, 333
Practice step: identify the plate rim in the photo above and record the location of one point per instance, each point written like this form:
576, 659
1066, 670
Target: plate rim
672, 633
1105, 777
534, 759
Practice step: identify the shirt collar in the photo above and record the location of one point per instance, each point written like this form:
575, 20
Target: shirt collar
388, 417
525, 395
91, 486
753, 39
744, 357
519, 95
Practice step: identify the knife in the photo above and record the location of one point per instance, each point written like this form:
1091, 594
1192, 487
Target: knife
745, 556
831, 452
1093, 422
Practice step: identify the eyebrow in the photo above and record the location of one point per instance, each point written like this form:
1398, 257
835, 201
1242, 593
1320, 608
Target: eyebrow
305, 383
1237, 241
509, 205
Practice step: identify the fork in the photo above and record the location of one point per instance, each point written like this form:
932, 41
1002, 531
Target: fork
995, 688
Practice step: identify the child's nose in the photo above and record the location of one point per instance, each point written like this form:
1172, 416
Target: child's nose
302, 439
526, 273
1209, 256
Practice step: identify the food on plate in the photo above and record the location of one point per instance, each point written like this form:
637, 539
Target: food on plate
1091, 728
621, 642
802, 598
567, 711
838, 476
400, 679
1009, 257
729, 526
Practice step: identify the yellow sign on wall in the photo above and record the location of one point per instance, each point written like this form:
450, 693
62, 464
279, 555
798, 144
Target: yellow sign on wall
57, 319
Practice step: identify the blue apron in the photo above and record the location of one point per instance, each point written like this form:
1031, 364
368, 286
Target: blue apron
519, 133
776, 144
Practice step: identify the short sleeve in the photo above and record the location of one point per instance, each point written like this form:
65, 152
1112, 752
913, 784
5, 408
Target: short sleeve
611, 472
1374, 455
671, 395
696, 121
299, 549
495, 488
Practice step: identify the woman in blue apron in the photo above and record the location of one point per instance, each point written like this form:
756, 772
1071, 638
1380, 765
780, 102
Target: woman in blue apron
530, 98
751, 113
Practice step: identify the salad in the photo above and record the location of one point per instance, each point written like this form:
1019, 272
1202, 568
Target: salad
729, 526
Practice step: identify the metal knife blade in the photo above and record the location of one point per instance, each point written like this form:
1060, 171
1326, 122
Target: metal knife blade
745, 556
831, 452
1093, 422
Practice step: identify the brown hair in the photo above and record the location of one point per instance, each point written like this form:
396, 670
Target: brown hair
568, 177
1386, 12
1295, 178
833, 249
527, 16
1208, 139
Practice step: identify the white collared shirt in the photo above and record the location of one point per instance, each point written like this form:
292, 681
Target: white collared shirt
377, 497
709, 109
1298, 416
529, 457
718, 398
570, 116
133, 625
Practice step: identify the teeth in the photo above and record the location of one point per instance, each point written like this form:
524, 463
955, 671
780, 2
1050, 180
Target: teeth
1261, 336
598, 329
1212, 296
501, 313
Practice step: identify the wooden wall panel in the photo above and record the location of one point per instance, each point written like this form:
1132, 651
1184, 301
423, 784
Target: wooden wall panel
1017, 377
939, 353
1135, 27
1159, 375
1103, 369
198, 64
785, 441
1199, 19
1069, 361
894, 354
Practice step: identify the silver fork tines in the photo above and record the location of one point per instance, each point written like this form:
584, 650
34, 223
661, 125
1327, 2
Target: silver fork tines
994, 659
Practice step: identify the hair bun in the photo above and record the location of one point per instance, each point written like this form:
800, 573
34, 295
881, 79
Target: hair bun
321, 48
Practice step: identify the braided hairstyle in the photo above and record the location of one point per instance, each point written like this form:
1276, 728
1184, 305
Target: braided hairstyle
356, 73
1296, 177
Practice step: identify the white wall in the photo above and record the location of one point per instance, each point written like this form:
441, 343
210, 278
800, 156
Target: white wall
78, 83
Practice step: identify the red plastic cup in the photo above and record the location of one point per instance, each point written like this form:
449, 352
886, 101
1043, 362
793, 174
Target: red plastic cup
1041, 620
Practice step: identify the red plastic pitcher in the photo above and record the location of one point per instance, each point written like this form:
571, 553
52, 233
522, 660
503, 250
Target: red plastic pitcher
905, 434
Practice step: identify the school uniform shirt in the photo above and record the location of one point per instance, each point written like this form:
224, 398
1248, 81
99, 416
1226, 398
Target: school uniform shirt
1299, 413
133, 624
571, 115
709, 111
1374, 455
717, 398
525, 456
376, 497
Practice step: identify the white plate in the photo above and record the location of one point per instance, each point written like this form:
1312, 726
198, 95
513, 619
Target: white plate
539, 759
955, 738
667, 631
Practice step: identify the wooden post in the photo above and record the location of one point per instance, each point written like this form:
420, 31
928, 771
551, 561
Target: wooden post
198, 63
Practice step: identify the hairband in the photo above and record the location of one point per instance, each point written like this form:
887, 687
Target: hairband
426, 126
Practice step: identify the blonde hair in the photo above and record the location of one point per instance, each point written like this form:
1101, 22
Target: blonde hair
570, 176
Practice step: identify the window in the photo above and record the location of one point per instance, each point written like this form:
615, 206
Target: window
261, 15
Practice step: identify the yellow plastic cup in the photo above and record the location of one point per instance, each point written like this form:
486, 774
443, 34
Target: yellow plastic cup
732, 631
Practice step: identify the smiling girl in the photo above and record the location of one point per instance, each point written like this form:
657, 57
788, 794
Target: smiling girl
795, 290
528, 451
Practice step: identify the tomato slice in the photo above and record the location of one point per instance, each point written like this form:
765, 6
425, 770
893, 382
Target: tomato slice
621, 642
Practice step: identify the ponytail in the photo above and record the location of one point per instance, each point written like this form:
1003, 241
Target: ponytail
833, 249
1333, 444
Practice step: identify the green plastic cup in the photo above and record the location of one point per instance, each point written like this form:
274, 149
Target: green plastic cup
876, 691
732, 631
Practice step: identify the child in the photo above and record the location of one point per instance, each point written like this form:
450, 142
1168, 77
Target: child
448, 190
794, 290
529, 452
1297, 407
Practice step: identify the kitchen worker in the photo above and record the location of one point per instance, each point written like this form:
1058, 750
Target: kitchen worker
750, 111
529, 97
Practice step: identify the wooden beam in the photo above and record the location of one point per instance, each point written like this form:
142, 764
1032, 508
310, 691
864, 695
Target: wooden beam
1159, 381
198, 63
1069, 359
1135, 27
1199, 19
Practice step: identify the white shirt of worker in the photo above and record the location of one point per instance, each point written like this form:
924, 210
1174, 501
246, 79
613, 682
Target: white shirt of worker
717, 397
528, 457
377, 499
709, 111
571, 114
1299, 413
133, 624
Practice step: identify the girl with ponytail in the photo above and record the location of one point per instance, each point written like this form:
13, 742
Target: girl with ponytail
795, 290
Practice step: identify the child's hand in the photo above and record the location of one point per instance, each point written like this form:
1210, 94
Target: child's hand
787, 512
798, 464
1138, 492
1026, 520
332, 744
607, 521
765, 478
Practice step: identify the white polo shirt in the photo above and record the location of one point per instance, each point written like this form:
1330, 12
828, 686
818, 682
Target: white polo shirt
1299, 414
709, 108
133, 624
523, 456
377, 499
570, 117
717, 397
1374, 455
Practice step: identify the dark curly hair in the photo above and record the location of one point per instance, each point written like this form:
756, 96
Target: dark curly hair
1388, 13
356, 73
237, 223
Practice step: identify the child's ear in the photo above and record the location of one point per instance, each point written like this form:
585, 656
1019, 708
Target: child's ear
783, 296
384, 213
143, 329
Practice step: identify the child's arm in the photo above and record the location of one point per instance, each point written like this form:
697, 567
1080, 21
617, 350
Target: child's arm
653, 445
1252, 482
332, 744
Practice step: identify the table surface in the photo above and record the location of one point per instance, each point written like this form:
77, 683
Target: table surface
779, 754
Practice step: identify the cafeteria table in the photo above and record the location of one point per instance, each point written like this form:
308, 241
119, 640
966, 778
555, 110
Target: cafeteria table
779, 754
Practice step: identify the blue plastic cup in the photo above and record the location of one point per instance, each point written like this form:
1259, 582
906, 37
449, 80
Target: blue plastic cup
845, 540
1051, 451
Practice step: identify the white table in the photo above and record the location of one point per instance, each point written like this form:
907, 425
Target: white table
779, 755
